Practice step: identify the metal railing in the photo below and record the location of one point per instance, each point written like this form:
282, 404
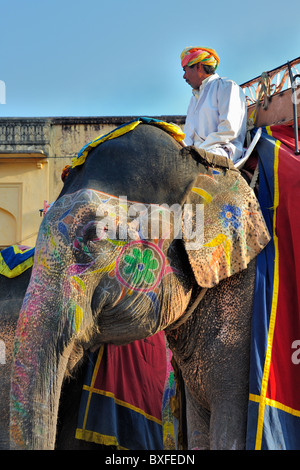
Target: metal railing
262, 88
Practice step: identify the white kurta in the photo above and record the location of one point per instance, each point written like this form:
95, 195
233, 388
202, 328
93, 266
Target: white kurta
217, 117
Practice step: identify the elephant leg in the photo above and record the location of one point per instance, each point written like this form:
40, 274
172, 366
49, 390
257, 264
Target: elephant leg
203, 426
231, 435
197, 418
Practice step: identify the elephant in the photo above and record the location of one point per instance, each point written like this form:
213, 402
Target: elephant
12, 292
142, 229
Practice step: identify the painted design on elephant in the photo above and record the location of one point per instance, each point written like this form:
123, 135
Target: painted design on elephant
230, 215
141, 265
140, 268
204, 192
97, 224
137, 265
26, 324
234, 229
221, 244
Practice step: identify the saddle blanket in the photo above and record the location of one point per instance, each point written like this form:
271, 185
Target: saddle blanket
15, 259
274, 400
123, 395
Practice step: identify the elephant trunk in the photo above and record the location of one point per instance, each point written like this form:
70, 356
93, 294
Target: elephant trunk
43, 343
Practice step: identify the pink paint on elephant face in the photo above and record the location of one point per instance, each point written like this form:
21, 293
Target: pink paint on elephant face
77, 269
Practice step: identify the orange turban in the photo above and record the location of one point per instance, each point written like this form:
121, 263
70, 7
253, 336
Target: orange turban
192, 55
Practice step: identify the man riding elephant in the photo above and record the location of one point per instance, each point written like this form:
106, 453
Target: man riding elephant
217, 113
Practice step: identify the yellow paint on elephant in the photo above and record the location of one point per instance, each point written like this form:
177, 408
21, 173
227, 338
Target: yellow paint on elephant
217, 243
124, 207
204, 194
78, 317
44, 263
107, 268
80, 282
227, 248
52, 240
117, 242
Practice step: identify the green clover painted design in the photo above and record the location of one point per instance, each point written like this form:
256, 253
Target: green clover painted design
140, 265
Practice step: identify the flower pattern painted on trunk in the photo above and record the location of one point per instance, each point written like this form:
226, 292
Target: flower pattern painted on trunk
141, 266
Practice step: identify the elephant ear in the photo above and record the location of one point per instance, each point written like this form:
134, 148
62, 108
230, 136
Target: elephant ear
223, 227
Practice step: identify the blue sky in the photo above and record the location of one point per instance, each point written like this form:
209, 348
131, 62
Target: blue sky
122, 57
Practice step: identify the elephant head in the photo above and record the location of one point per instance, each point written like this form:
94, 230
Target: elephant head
107, 269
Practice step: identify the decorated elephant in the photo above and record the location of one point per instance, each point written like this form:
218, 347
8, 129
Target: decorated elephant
145, 419
12, 293
141, 230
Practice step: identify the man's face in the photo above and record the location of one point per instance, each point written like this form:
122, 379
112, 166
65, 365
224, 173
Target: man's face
194, 75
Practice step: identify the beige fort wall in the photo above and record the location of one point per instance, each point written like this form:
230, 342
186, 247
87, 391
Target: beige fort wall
33, 152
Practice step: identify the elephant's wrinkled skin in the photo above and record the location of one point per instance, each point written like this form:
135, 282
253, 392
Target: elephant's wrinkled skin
212, 351
89, 287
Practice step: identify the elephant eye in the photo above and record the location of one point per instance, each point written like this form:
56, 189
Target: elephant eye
89, 233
